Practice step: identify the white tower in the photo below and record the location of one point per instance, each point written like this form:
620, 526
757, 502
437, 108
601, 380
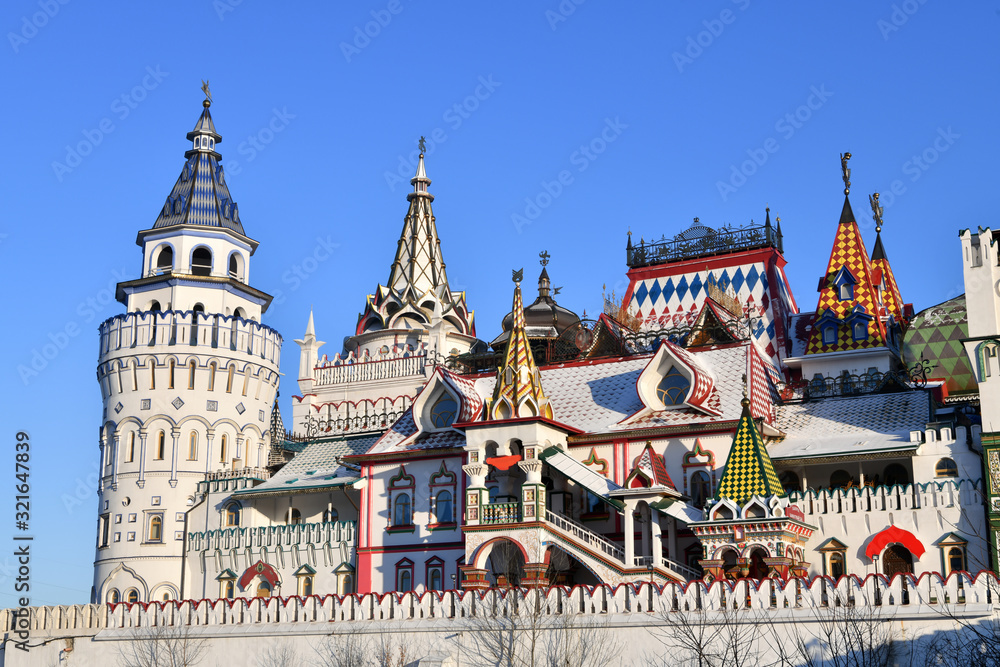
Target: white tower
188, 376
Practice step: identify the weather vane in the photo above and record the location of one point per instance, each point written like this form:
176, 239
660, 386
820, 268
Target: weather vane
876, 211
205, 89
422, 144
844, 157
544, 261
518, 274
744, 385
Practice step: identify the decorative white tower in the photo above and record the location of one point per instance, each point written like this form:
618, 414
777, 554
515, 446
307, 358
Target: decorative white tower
188, 376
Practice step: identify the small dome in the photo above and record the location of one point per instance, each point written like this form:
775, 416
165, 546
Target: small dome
542, 319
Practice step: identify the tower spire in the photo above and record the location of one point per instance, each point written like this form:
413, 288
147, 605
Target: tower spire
518, 391
749, 470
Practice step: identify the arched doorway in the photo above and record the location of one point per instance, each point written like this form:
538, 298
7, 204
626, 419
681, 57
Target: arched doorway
505, 564
565, 570
730, 564
263, 589
758, 568
897, 559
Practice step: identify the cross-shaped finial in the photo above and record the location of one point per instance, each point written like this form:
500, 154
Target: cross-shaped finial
844, 157
544, 261
422, 144
205, 89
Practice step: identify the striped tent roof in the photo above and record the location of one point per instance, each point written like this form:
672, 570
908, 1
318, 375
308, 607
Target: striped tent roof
200, 196
518, 391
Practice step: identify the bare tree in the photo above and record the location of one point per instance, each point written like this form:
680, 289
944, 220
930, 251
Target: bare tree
278, 655
162, 646
526, 628
726, 637
383, 648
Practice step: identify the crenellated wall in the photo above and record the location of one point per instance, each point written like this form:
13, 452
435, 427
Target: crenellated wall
433, 621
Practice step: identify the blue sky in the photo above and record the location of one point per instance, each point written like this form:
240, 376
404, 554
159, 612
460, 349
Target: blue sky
659, 112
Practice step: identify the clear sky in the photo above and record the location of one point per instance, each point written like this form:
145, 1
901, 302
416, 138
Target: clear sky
658, 112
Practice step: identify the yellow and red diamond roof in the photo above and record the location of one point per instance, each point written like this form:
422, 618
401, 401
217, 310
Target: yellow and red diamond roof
518, 391
848, 253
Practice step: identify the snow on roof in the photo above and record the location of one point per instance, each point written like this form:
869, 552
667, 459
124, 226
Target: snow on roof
317, 466
854, 425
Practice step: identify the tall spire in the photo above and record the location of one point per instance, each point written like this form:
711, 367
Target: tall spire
749, 470
518, 391
892, 300
200, 196
847, 310
417, 288
418, 267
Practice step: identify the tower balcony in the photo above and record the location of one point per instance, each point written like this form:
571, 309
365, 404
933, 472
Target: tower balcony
702, 241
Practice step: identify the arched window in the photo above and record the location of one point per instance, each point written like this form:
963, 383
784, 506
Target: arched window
230, 589
673, 388
165, 260
201, 262
434, 579
132, 595
155, 528
263, 589
956, 560
130, 449
790, 481
443, 507
114, 597
293, 518
170, 375
239, 312
444, 411
837, 568
401, 515
222, 448
211, 376
193, 446
307, 585
191, 369
404, 575
701, 488
829, 335
840, 479
229, 380
234, 268
161, 445
946, 468
154, 307
232, 514
896, 474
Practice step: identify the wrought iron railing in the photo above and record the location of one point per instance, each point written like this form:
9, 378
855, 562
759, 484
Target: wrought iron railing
496, 513
320, 426
713, 242
854, 385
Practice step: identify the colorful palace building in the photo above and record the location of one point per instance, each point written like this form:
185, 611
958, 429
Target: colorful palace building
704, 427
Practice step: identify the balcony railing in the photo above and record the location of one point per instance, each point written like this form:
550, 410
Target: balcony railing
583, 534
709, 242
496, 513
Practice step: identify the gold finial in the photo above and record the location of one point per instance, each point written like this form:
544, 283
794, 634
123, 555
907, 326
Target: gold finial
544, 255
745, 400
208, 93
877, 210
844, 157
518, 275
422, 144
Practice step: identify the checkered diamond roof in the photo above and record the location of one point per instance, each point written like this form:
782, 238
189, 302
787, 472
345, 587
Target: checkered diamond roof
749, 471
891, 298
848, 252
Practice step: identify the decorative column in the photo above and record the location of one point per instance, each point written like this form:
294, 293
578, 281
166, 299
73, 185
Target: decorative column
532, 491
476, 494
629, 531
672, 539
175, 437
473, 578
535, 575
141, 482
656, 535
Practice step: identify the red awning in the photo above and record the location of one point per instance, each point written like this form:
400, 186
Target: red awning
503, 462
265, 571
894, 535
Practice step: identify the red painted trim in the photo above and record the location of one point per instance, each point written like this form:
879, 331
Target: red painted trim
894, 535
413, 548
519, 420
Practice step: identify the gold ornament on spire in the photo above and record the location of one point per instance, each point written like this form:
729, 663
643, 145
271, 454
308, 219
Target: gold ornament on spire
877, 211
844, 157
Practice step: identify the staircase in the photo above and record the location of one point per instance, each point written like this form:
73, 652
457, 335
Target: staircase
593, 549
